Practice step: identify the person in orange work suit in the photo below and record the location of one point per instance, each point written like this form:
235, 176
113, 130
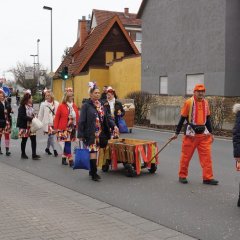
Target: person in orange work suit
197, 135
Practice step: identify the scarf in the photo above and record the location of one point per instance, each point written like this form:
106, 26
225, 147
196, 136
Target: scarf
72, 112
193, 113
112, 106
29, 110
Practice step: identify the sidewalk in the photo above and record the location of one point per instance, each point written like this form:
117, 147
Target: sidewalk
34, 208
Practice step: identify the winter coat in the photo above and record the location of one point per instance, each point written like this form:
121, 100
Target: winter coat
87, 123
236, 132
9, 111
46, 116
22, 118
61, 118
117, 107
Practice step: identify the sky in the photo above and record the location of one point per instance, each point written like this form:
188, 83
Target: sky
23, 22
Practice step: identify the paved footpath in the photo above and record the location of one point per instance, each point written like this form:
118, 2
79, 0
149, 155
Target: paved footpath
34, 208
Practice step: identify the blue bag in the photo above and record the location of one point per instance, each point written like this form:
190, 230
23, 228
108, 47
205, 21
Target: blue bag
122, 125
82, 158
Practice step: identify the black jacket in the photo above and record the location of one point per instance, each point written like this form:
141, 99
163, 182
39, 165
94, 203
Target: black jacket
9, 111
236, 132
87, 123
22, 118
118, 106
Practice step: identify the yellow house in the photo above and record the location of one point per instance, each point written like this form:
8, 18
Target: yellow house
106, 55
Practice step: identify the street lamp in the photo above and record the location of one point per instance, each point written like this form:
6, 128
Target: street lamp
38, 67
34, 63
49, 8
38, 53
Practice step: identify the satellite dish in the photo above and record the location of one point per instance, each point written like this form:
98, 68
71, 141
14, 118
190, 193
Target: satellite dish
7, 91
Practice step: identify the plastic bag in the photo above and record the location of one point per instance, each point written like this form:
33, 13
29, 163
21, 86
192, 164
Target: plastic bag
14, 131
82, 158
122, 125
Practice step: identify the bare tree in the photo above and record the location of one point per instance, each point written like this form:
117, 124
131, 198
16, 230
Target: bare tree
66, 52
19, 74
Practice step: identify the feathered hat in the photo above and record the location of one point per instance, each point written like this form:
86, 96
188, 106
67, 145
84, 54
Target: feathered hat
91, 86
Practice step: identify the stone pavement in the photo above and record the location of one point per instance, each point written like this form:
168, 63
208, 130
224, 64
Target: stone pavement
34, 208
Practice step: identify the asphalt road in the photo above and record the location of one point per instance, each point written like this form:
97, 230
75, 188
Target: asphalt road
201, 211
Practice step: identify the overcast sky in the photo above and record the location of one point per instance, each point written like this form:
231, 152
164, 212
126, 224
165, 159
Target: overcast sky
22, 22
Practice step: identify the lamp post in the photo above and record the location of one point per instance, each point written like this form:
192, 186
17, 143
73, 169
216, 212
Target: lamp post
34, 63
38, 67
49, 8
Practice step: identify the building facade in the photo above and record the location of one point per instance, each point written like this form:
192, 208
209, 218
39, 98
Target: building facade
187, 42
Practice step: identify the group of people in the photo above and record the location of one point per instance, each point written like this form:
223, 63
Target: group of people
94, 126
98, 122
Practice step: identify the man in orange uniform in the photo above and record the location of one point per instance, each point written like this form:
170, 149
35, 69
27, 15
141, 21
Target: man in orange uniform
197, 134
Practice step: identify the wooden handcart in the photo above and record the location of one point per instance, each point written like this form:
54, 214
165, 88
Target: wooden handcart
134, 154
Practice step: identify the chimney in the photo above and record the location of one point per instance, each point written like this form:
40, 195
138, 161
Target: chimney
126, 11
82, 30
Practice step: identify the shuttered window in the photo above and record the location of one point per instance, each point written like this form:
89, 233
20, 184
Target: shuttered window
192, 80
163, 89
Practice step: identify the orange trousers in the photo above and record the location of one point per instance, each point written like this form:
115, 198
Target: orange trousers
203, 144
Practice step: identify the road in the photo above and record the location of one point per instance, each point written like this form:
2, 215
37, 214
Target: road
201, 211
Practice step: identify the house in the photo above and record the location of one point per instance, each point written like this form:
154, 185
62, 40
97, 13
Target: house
105, 54
187, 42
129, 20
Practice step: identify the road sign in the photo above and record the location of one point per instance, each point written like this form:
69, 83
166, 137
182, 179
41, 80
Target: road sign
29, 73
42, 80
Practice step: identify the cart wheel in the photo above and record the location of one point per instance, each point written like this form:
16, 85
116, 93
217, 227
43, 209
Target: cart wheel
130, 170
130, 130
153, 168
105, 168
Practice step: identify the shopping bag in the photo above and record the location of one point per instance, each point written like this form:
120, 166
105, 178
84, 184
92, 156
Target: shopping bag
14, 130
82, 158
14, 133
36, 124
122, 125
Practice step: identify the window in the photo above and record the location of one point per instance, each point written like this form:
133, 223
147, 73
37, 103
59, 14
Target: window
109, 57
163, 85
138, 36
119, 55
192, 80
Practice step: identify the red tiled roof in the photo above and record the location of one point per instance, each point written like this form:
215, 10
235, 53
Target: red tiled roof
129, 19
83, 53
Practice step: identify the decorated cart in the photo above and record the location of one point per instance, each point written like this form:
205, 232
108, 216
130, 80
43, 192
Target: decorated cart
134, 154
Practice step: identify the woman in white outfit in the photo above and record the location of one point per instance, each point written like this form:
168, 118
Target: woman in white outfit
46, 114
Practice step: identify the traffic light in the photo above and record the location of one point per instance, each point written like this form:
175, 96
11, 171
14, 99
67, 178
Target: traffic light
64, 73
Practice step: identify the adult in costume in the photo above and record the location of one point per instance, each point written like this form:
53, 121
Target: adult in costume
94, 127
65, 125
197, 135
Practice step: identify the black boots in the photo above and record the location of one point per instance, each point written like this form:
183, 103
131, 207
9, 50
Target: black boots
36, 157
24, 156
7, 152
93, 170
1, 151
55, 153
64, 161
48, 151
